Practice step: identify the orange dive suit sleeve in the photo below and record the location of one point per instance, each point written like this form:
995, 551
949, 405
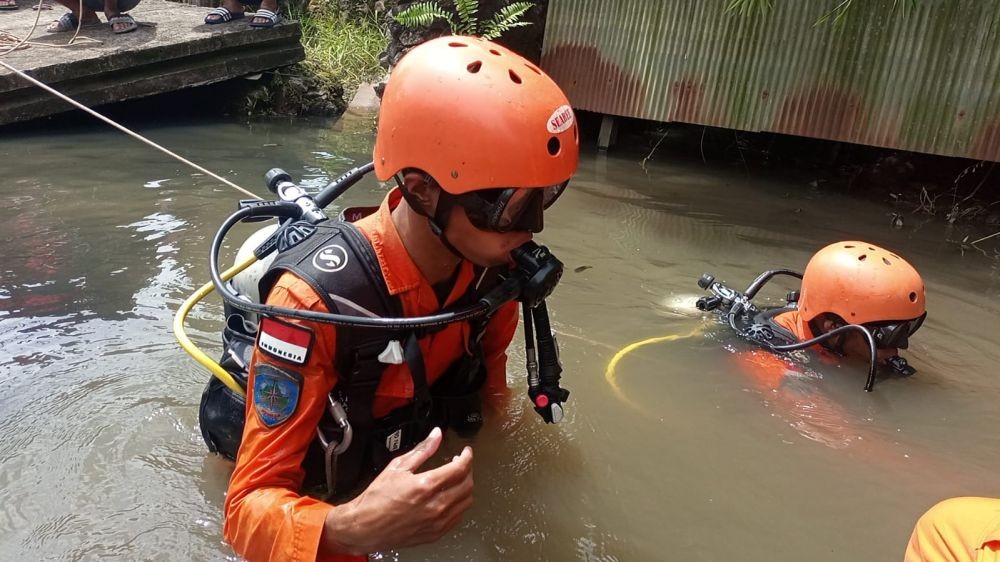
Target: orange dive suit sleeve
957, 530
267, 519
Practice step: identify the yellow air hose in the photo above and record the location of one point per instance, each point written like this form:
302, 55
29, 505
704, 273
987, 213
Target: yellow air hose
611, 374
186, 342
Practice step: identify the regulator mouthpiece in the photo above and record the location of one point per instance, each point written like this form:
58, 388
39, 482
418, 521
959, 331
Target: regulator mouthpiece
540, 270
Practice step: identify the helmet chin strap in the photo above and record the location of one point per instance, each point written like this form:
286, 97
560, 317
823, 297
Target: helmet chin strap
439, 219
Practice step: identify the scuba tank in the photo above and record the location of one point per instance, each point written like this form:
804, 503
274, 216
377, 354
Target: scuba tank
755, 323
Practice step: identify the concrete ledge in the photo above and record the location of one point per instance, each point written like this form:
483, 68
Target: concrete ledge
176, 51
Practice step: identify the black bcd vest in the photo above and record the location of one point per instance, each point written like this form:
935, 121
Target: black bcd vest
338, 262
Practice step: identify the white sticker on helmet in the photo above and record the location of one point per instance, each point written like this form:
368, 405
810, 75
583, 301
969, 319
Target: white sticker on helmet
561, 119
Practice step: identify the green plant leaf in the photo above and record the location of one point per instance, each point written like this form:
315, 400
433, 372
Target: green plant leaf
506, 19
836, 14
750, 7
467, 20
423, 14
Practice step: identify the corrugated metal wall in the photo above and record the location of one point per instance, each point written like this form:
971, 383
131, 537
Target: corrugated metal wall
925, 79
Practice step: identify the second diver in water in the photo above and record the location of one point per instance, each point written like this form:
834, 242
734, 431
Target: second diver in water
855, 300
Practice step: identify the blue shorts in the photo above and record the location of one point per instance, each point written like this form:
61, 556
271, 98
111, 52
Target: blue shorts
98, 5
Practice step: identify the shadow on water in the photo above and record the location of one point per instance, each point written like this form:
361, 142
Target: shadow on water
719, 452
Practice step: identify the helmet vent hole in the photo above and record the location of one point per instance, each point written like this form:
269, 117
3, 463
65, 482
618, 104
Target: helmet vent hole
913, 297
895, 256
457, 44
853, 315
862, 257
533, 69
886, 262
474, 66
495, 52
849, 246
576, 134
514, 77
554, 146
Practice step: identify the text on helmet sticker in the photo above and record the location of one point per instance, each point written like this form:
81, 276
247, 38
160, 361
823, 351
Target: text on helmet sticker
561, 119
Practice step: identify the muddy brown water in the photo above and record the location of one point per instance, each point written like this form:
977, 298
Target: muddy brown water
688, 456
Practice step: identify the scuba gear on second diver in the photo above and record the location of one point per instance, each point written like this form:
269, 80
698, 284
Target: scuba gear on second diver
737, 306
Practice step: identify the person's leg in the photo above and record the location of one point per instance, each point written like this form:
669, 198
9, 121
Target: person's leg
88, 16
271, 5
235, 7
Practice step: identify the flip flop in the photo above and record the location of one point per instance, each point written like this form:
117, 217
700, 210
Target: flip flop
272, 19
224, 16
129, 21
66, 22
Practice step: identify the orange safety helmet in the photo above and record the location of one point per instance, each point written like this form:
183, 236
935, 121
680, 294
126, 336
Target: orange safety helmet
861, 283
475, 115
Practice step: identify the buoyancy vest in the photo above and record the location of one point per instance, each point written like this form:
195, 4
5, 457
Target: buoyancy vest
350, 281
763, 328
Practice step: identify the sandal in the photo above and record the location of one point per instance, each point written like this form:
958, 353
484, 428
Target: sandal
221, 15
8, 4
123, 19
271, 19
66, 22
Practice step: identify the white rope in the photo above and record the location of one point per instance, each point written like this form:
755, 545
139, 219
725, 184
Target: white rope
10, 37
126, 130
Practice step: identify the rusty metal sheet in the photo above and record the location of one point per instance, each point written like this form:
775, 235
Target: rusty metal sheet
925, 79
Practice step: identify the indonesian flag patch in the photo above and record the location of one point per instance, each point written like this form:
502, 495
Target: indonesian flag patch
285, 341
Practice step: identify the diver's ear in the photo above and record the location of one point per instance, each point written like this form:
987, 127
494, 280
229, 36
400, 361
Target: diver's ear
422, 191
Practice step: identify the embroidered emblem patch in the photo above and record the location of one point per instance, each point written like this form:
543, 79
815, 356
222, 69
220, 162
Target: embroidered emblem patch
275, 394
285, 341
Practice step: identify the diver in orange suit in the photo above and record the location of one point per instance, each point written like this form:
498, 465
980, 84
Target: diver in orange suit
856, 300
858, 283
480, 142
957, 530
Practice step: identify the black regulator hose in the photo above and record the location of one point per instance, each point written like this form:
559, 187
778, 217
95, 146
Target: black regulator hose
290, 210
762, 279
544, 369
872, 358
337, 187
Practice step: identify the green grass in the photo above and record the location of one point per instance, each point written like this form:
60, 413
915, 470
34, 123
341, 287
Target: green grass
340, 50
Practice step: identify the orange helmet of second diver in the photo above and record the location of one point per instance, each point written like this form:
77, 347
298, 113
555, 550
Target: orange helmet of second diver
863, 284
478, 117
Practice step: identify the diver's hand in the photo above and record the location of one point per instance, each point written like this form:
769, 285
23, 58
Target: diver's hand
402, 507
